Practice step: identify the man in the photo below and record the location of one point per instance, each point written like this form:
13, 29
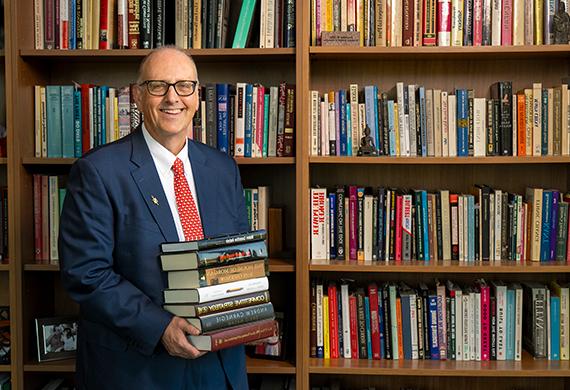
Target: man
123, 200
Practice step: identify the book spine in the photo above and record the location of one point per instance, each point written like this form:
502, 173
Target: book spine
236, 317
243, 334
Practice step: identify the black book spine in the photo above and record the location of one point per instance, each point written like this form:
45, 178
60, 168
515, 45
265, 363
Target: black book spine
385, 131
504, 226
470, 97
340, 238
381, 223
145, 26
289, 36
381, 147
392, 225
159, 22
439, 225
419, 226
506, 100
477, 213
211, 126
485, 218
204, 19
490, 149
374, 227
493, 307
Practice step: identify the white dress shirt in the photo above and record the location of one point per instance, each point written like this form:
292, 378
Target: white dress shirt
163, 161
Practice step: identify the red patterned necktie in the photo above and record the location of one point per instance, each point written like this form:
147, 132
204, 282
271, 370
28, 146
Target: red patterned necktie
187, 209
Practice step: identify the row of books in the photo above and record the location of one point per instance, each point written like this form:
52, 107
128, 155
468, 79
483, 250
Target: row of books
397, 23
365, 224
72, 119
220, 286
146, 24
477, 322
410, 120
247, 120
257, 203
48, 196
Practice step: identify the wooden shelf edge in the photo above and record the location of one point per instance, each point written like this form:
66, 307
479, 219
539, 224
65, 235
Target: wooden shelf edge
239, 161
495, 160
5, 367
4, 267
528, 367
562, 50
67, 365
268, 366
439, 267
275, 265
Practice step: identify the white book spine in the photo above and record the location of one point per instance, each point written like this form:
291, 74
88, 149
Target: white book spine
452, 107
458, 325
438, 139
414, 327
477, 307
466, 310
444, 124
518, 322
320, 338
315, 123
479, 126
472, 329
498, 223
564, 325
501, 295
318, 232
536, 119
345, 320
496, 23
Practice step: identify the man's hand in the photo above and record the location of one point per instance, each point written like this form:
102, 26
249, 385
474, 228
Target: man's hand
175, 341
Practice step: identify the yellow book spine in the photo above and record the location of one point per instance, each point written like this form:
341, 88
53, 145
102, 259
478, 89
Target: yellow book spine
326, 327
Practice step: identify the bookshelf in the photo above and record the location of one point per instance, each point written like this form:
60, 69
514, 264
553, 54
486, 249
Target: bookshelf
35, 289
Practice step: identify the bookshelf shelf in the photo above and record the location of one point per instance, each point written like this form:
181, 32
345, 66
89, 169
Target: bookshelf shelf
275, 265
438, 52
67, 365
239, 160
254, 366
5, 368
267, 366
200, 55
529, 267
506, 160
527, 367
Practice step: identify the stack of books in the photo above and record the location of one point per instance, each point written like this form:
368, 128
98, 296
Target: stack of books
220, 286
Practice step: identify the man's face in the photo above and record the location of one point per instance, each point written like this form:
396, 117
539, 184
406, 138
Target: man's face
169, 116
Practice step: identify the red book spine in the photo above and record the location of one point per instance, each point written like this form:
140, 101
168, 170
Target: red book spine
85, 113
353, 224
333, 321
408, 23
507, 23
443, 22
134, 15
477, 22
49, 24
238, 335
38, 253
353, 328
374, 324
103, 25
260, 118
485, 323
399, 228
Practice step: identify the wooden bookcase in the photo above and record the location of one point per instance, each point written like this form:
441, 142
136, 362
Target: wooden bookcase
35, 290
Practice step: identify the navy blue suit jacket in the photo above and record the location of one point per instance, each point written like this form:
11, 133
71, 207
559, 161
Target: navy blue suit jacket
110, 232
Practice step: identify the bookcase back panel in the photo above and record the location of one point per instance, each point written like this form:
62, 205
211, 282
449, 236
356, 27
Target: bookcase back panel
354, 382
281, 182
4, 289
437, 74
457, 178
45, 297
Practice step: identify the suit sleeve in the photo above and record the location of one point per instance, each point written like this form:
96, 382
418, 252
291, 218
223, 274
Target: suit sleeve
86, 244
242, 222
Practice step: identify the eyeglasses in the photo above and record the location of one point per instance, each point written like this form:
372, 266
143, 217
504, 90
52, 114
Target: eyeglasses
160, 88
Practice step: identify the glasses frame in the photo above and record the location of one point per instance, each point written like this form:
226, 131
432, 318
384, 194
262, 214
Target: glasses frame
146, 83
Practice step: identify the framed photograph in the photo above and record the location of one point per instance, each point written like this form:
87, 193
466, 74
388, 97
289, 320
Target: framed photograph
56, 338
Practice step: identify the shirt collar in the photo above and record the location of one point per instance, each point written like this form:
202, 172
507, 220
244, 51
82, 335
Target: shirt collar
164, 158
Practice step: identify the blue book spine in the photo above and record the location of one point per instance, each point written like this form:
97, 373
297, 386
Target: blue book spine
348, 131
471, 226
67, 122
423, 120
337, 121
381, 325
544, 124
333, 225
376, 134
425, 225
406, 327
73, 25
510, 328
553, 224
554, 328
371, 107
266, 100
248, 119
223, 98
77, 144
54, 133
462, 122
368, 333
546, 216
342, 105
391, 128
104, 91
432, 323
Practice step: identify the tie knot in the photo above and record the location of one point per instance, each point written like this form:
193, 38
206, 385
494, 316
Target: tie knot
178, 167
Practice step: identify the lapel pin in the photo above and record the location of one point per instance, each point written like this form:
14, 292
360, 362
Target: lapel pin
154, 200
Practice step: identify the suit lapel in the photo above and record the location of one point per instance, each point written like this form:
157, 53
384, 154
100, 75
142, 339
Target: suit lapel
150, 187
206, 186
